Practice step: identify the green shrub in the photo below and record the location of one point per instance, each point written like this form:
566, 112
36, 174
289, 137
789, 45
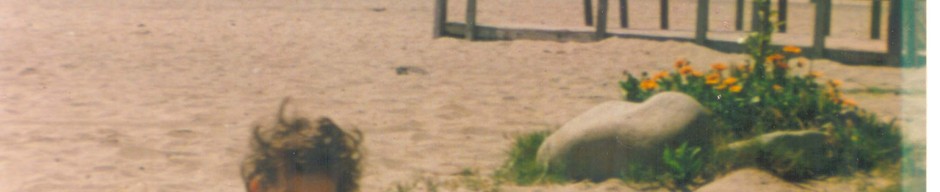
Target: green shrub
522, 167
748, 100
764, 96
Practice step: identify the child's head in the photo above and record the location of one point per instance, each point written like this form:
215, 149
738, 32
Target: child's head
294, 154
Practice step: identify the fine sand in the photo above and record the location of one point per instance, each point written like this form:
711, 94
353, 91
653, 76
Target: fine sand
141, 95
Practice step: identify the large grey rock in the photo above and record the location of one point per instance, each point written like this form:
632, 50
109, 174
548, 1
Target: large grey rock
608, 138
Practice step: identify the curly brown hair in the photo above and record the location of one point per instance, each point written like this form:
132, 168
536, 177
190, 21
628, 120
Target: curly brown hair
289, 147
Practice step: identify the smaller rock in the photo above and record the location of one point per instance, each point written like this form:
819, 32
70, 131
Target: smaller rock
749, 180
805, 139
794, 155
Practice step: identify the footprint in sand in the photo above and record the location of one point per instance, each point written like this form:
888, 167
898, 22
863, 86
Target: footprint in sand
421, 136
109, 137
182, 133
28, 71
410, 125
453, 111
474, 130
138, 153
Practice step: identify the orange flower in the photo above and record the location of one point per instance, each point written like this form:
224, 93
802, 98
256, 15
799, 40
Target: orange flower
849, 102
255, 184
835, 83
792, 49
774, 57
660, 75
782, 64
730, 80
719, 66
681, 62
735, 88
815, 74
648, 84
777, 88
721, 87
685, 70
713, 79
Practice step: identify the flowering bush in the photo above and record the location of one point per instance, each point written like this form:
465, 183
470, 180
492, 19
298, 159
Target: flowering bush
766, 95
750, 103
747, 100
757, 98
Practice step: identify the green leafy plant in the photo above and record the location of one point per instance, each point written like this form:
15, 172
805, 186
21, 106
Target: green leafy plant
683, 164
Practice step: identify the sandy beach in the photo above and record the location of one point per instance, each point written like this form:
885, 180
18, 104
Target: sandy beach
141, 95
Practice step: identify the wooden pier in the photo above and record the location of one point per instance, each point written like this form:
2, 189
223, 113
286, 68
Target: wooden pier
900, 49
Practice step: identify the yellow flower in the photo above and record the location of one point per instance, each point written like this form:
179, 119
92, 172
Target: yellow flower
835, 83
735, 88
777, 88
730, 80
685, 70
719, 66
713, 79
648, 84
815, 74
792, 49
832, 93
697, 73
681, 62
660, 75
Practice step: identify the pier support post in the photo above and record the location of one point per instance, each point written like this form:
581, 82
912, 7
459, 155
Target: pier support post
875, 19
664, 14
701, 22
471, 20
601, 32
739, 15
440, 17
782, 15
624, 18
819, 28
588, 13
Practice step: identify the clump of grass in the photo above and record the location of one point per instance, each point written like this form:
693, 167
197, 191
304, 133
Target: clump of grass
472, 180
522, 167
